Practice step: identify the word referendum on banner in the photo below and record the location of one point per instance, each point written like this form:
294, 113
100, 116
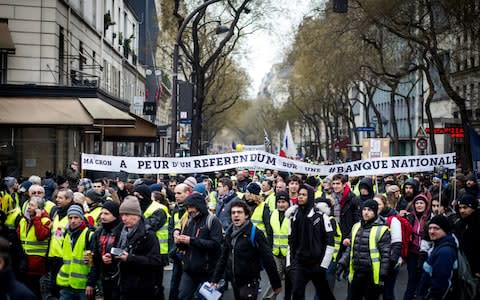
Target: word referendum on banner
263, 160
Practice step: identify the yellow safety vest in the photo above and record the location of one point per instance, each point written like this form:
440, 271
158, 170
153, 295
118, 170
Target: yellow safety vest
240, 195
30, 243
178, 220
12, 216
95, 214
337, 238
162, 233
318, 193
74, 271
280, 233
375, 234
271, 200
212, 197
56, 240
257, 217
6, 202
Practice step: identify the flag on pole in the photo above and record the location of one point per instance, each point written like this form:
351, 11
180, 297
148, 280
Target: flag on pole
266, 141
289, 146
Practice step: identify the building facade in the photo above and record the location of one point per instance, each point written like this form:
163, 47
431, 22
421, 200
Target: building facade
70, 82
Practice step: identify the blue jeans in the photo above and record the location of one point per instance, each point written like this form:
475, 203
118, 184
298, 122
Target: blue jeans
71, 294
413, 276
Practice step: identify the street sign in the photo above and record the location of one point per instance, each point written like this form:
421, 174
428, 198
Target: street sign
366, 129
422, 143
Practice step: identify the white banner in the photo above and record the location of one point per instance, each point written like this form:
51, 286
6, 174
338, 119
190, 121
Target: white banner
263, 160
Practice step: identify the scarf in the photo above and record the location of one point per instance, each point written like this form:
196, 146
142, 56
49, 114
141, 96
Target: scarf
126, 234
236, 232
223, 198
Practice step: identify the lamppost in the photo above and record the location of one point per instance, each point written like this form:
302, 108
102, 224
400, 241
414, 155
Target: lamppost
176, 49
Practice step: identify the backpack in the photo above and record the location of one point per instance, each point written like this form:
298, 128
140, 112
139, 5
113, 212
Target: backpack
468, 285
252, 240
406, 233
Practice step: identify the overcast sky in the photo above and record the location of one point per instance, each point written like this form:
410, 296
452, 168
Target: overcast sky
266, 48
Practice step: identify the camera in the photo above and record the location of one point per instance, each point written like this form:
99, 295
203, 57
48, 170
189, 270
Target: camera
116, 251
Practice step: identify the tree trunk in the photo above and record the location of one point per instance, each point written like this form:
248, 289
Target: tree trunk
393, 119
428, 111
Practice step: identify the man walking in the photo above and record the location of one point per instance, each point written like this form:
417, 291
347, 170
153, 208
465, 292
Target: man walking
199, 242
311, 246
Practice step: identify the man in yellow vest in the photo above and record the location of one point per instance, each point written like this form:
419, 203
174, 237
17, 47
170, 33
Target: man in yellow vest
367, 257
64, 200
73, 274
260, 211
280, 227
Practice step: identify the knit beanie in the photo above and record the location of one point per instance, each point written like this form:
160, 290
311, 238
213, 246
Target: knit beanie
372, 204
190, 181
94, 196
144, 191
75, 210
468, 200
442, 222
420, 197
254, 188
130, 206
282, 196
113, 207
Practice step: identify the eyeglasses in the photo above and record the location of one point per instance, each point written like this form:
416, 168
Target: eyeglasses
37, 192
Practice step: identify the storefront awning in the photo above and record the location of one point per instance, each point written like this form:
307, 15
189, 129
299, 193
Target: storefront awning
6, 42
105, 115
43, 111
144, 131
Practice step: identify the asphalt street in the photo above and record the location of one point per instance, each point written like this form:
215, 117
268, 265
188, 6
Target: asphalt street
340, 291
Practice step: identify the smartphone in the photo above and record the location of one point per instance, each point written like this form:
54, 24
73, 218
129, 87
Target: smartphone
116, 251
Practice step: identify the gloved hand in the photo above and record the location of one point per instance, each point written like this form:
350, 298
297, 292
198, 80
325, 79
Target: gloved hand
340, 271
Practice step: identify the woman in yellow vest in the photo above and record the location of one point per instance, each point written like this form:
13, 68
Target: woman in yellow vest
280, 227
34, 233
73, 274
367, 257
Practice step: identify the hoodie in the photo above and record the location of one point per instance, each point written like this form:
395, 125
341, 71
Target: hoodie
366, 183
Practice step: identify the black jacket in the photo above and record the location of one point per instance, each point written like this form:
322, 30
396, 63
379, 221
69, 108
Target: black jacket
311, 234
466, 230
105, 238
140, 271
350, 213
201, 255
362, 262
242, 260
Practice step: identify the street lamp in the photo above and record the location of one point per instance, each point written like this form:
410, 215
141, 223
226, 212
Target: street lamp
176, 49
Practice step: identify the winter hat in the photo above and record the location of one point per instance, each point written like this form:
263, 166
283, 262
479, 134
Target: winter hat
372, 204
113, 207
24, 186
94, 196
144, 191
190, 181
468, 200
9, 181
130, 206
393, 189
156, 187
200, 188
420, 197
442, 222
327, 179
282, 196
75, 210
312, 181
254, 188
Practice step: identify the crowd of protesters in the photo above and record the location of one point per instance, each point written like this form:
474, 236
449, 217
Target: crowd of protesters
76, 237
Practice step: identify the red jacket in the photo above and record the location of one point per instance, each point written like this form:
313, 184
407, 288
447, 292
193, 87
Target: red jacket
37, 264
